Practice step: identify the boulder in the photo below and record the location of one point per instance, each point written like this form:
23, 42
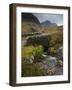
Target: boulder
50, 61
49, 64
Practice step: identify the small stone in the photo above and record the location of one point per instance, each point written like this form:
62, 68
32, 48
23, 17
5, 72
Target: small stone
51, 71
44, 55
60, 63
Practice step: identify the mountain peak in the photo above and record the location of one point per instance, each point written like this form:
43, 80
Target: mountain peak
47, 23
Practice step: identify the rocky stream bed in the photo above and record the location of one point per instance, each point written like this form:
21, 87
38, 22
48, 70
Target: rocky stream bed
51, 65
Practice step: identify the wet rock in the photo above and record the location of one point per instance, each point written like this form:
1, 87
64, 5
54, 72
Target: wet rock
50, 61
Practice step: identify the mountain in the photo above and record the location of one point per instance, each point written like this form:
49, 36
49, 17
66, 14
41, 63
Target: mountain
30, 23
49, 27
48, 24
30, 18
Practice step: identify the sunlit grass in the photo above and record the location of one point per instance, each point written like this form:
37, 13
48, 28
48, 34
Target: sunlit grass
27, 51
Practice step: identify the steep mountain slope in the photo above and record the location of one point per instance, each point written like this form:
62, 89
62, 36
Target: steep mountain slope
30, 23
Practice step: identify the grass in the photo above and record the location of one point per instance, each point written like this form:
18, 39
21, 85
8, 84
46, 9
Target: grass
27, 51
31, 70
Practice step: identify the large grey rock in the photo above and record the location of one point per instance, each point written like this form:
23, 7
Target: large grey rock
48, 64
50, 61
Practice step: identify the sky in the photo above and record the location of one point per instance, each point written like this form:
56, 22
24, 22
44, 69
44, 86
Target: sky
54, 18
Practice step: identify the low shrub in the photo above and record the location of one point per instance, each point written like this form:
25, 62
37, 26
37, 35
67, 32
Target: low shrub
55, 41
37, 52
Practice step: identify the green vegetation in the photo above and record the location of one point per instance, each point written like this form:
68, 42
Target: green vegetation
27, 27
27, 51
31, 70
37, 52
55, 41
49, 30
